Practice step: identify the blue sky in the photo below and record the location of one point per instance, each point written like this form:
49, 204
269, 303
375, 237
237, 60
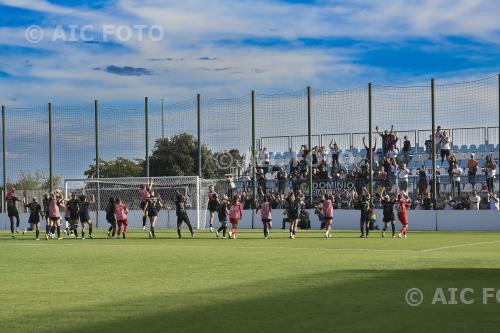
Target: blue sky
225, 48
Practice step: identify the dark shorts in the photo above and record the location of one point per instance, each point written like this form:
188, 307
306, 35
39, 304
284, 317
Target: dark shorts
365, 216
13, 213
182, 217
54, 218
84, 217
389, 218
143, 205
266, 220
111, 218
293, 216
212, 206
153, 212
74, 215
34, 219
445, 153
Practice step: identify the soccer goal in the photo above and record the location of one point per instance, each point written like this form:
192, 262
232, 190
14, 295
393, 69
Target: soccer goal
127, 189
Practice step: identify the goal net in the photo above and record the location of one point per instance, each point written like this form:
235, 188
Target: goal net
127, 189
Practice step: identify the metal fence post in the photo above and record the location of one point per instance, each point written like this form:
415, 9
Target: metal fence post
146, 121
97, 159
370, 143
4, 152
51, 152
498, 127
433, 150
309, 144
254, 157
162, 120
198, 112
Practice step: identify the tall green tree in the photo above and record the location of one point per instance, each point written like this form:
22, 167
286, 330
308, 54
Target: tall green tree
178, 156
121, 167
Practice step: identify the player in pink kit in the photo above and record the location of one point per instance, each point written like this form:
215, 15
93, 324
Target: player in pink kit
55, 214
266, 214
402, 205
143, 198
235, 215
328, 214
121, 212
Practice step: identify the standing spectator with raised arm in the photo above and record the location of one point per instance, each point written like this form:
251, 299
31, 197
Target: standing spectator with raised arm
475, 201
335, 155
385, 138
370, 152
405, 152
494, 202
445, 147
490, 169
438, 136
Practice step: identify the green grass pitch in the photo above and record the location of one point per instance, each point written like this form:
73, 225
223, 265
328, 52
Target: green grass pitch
310, 284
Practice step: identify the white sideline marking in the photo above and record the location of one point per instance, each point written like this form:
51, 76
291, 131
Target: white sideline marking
460, 245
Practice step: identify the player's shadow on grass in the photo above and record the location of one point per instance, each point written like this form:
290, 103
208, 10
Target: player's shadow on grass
340, 301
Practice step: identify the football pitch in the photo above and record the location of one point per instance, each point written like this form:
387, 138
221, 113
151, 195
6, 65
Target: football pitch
310, 284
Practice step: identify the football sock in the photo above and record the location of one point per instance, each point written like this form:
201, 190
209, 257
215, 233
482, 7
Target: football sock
179, 232
393, 226
152, 229
144, 218
90, 230
47, 228
11, 224
190, 227
58, 232
37, 232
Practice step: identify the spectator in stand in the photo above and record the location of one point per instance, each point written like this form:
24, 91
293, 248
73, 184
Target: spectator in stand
428, 146
335, 155
472, 165
494, 205
405, 152
427, 202
370, 152
392, 153
445, 147
417, 204
392, 142
403, 174
393, 172
385, 139
475, 201
422, 180
490, 169
449, 203
456, 173
265, 160
281, 177
438, 137
438, 182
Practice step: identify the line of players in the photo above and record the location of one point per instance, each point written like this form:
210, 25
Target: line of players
117, 213
401, 203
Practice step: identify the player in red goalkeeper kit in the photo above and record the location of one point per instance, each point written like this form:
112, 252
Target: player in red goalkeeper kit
402, 205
